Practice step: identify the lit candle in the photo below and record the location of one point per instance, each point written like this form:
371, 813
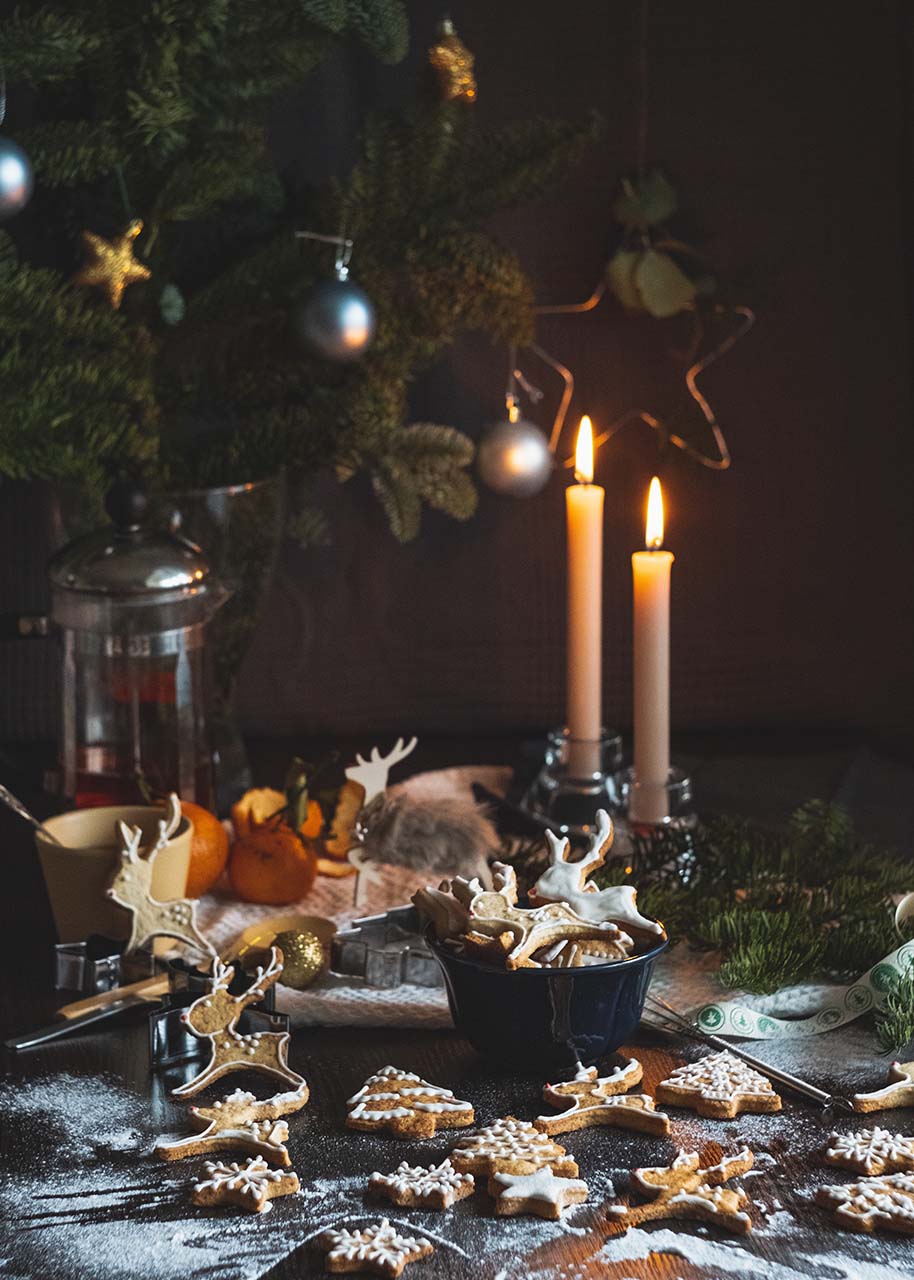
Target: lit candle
651, 575
584, 505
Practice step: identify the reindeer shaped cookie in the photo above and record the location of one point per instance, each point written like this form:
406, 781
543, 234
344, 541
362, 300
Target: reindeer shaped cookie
565, 881
213, 1017
499, 928
131, 888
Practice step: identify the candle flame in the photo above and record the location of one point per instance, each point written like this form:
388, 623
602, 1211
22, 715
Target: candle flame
583, 454
653, 529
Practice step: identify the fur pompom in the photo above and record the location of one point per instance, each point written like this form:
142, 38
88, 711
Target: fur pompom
446, 834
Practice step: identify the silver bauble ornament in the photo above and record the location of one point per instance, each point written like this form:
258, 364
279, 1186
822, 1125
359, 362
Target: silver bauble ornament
16, 179
514, 458
336, 321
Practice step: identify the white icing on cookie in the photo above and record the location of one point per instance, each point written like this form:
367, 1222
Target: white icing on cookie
418, 1093
719, 1077
542, 1186
509, 1140
871, 1151
380, 1245
441, 1180
873, 1201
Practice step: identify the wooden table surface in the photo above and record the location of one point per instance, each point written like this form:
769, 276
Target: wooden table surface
792, 1238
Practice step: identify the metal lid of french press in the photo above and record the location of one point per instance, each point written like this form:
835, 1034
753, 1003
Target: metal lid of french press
133, 572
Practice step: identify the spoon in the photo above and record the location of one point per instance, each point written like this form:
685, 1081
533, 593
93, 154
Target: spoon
7, 798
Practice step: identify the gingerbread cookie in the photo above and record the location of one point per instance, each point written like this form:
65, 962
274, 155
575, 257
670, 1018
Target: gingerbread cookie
496, 929
213, 1017
379, 1248
899, 1092
885, 1203
251, 1185
239, 1123
131, 889
871, 1151
590, 1099
718, 1086
437, 1187
405, 1105
510, 1146
683, 1190
540, 1193
566, 881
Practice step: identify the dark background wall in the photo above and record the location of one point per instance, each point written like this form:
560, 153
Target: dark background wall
787, 130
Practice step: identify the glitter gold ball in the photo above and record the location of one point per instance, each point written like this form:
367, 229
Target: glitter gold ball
302, 957
110, 264
452, 63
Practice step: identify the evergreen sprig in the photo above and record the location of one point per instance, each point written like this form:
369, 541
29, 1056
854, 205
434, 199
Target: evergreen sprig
163, 106
780, 908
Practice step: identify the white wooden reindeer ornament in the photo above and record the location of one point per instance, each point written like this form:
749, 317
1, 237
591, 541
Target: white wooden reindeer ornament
213, 1017
565, 881
131, 889
371, 775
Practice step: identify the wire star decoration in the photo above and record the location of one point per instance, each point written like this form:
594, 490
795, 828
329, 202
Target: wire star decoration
110, 264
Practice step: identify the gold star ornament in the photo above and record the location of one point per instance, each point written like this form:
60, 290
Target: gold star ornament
452, 63
110, 264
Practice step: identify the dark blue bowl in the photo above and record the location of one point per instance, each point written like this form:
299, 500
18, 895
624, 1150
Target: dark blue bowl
546, 1019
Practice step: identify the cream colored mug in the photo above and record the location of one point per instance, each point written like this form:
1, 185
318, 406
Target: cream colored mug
78, 871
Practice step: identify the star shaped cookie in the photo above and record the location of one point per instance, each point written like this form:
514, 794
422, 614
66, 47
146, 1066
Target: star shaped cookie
251, 1185
884, 1203
590, 1099
379, 1248
871, 1151
899, 1092
540, 1193
437, 1187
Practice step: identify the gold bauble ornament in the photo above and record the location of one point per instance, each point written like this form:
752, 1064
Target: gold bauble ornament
452, 63
302, 957
110, 264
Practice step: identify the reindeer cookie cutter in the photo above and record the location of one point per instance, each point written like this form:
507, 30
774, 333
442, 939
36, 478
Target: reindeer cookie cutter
170, 1039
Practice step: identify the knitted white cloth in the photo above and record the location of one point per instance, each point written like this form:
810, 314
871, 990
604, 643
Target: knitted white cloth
343, 1001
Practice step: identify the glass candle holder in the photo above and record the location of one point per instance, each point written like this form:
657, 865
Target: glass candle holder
649, 805
577, 777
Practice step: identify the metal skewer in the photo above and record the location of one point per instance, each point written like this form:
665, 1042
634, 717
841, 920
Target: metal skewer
7, 798
672, 1021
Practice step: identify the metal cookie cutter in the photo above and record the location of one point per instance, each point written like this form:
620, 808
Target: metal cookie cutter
386, 950
169, 1039
98, 964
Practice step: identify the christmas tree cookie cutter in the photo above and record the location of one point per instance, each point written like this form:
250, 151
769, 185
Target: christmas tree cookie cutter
386, 950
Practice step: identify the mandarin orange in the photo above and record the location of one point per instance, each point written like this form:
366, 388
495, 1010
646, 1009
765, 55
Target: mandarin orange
209, 849
271, 865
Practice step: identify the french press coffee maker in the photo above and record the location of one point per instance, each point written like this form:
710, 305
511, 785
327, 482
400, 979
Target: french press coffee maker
132, 603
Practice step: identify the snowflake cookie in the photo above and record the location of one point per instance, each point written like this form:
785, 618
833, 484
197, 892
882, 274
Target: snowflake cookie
871, 1151
718, 1086
379, 1248
540, 1193
590, 1099
252, 1185
510, 1146
683, 1190
406, 1105
437, 1187
886, 1203
899, 1092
